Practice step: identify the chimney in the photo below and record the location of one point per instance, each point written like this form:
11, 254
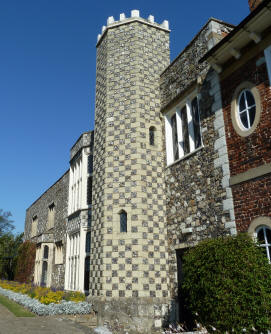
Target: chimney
253, 4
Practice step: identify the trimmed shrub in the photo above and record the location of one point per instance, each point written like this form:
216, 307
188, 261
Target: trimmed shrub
227, 284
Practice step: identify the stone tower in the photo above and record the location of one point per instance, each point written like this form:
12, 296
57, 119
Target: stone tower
128, 182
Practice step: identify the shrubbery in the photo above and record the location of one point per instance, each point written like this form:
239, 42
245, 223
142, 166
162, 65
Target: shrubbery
227, 283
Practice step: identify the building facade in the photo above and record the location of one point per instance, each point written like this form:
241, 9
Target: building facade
181, 153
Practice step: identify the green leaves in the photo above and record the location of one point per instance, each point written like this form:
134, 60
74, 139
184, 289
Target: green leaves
228, 283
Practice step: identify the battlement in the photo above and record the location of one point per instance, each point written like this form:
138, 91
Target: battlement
135, 16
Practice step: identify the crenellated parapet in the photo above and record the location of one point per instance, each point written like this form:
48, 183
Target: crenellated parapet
135, 16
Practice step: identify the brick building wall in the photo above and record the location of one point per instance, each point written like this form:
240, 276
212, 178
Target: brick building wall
251, 197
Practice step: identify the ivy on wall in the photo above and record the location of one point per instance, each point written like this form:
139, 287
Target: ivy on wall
25, 262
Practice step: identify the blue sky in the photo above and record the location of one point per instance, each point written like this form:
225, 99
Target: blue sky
47, 80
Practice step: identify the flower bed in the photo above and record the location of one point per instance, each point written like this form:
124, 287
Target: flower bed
42, 294
44, 301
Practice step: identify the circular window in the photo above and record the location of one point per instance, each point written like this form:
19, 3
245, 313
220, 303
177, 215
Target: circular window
246, 109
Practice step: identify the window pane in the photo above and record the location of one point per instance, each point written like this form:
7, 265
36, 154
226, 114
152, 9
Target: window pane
260, 236
252, 113
250, 99
175, 137
268, 235
196, 123
242, 105
244, 120
186, 145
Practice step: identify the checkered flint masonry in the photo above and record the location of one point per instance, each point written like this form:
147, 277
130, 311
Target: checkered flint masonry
128, 173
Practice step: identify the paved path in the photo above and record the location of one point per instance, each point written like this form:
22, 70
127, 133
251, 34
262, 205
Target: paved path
10, 324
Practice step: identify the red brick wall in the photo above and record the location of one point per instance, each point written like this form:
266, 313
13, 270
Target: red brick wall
252, 198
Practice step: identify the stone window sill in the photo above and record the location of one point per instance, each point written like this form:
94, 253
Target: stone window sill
187, 156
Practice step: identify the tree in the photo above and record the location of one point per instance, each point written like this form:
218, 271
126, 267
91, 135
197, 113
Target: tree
25, 262
6, 225
227, 284
9, 245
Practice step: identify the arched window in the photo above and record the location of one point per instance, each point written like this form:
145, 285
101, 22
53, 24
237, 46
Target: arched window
123, 221
152, 136
264, 239
45, 252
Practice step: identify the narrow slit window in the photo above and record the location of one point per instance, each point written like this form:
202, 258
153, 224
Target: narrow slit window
46, 252
89, 191
123, 221
152, 136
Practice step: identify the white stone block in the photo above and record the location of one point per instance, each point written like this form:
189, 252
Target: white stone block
225, 181
103, 28
98, 37
110, 20
122, 17
222, 151
151, 18
229, 192
232, 215
219, 122
157, 323
227, 204
187, 230
233, 231
135, 13
230, 225
165, 24
221, 142
226, 169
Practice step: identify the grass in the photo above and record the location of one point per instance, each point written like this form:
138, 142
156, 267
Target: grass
15, 308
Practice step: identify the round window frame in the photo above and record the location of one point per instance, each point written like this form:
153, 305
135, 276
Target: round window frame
235, 117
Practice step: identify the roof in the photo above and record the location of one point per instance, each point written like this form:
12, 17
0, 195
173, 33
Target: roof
237, 29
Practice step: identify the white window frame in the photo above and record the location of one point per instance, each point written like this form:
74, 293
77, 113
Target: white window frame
267, 53
187, 102
266, 245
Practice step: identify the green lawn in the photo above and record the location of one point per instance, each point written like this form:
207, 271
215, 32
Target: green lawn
15, 308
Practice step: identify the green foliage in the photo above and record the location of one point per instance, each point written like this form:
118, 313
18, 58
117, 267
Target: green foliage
9, 245
25, 262
227, 284
6, 225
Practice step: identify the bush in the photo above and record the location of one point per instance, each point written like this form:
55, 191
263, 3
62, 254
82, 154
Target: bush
227, 284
